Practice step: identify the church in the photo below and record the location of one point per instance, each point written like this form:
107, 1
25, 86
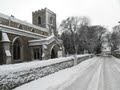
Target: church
21, 41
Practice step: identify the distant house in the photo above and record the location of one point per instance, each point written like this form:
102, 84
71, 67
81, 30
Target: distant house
21, 41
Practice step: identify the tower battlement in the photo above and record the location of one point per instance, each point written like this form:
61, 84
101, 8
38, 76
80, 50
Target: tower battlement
44, 18
43, 10
39, 11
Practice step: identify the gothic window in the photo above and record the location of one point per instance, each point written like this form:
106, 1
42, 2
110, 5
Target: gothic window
0, 21
16, 50
39, 20
32, 30
51, 20
36, 53
20, 26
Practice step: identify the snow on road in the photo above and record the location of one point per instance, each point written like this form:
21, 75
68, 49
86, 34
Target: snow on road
98, 73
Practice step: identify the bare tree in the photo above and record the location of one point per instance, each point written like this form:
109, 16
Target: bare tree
73, 24
115, 38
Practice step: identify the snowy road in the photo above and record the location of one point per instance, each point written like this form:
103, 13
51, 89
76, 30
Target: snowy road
98, 73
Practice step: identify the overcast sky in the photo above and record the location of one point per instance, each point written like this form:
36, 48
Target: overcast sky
101, 12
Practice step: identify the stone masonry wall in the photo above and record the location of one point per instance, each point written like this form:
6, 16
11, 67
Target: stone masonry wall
15, 79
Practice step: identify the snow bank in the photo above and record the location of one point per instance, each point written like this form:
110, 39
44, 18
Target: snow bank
14, 75
57, 79
5, 69
98, 73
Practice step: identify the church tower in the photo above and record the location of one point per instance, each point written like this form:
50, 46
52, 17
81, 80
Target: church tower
45, 18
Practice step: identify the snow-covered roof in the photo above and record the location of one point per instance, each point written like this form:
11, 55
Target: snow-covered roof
17, 31
5, 37
7, 52
47, 40
38, 40
23, 22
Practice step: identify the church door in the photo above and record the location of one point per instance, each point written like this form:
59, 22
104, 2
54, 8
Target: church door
53, 54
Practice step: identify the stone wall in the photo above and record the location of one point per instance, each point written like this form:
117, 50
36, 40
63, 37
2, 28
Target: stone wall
14, 79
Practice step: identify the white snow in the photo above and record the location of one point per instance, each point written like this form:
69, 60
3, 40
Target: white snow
5, 37
53, 80
45, 41
13, 30
22, 22
5, 69
98, 73
42, 40
7, 53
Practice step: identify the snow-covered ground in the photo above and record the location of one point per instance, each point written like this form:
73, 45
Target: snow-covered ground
98, 73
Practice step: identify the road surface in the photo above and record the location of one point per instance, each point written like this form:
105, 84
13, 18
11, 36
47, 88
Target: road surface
102, 73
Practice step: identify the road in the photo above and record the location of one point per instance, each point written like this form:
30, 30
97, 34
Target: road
102, 73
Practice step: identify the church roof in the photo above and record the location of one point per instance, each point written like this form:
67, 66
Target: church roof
47, 40
22, 22
17, 31
5, 37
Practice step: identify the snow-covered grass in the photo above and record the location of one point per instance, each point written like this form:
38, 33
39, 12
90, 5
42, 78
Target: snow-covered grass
14, 75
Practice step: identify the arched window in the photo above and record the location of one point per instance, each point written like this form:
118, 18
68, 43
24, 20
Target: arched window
20, 27
39, 20
37, 53
16, 49
32, 30
51, 20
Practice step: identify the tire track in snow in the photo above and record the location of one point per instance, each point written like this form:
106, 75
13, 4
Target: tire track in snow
83, 78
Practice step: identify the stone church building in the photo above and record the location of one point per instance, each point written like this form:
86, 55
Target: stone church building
21, 41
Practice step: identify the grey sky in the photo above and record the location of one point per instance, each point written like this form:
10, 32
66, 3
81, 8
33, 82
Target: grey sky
103, 12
